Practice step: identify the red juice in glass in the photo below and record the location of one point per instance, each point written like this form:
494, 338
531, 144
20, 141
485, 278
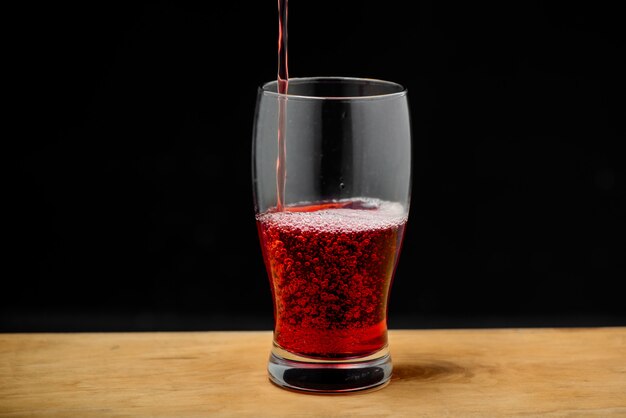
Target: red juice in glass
330, 267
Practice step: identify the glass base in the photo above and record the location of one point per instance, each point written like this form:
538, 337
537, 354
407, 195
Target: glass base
319, 376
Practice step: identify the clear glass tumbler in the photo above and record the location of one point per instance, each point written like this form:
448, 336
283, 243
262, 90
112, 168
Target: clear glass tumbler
331, 246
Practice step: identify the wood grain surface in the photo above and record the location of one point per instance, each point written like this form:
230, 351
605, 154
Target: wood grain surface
441, 373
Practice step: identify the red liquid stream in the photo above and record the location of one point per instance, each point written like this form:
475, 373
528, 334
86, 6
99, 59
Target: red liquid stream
330, 268
283, 84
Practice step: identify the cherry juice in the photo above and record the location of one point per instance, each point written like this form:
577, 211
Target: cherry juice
330, 267
283, 87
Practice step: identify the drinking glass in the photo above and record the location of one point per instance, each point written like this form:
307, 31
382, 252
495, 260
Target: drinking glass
331, 244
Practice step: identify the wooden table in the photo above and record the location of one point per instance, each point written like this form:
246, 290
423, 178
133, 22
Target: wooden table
457, 373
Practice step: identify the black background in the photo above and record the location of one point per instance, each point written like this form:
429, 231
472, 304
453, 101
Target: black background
129, 189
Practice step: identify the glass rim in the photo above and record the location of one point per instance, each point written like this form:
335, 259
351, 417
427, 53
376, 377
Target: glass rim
264, 88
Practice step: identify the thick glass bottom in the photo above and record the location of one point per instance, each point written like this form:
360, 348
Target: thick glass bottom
319, 376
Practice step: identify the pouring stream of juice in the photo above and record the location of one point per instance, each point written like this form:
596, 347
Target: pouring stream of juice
283, 84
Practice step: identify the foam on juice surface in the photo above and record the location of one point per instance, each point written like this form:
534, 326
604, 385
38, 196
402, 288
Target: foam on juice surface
370, 214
